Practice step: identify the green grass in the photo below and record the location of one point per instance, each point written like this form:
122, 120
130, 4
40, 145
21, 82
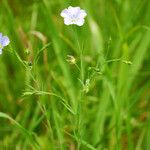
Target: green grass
101, 102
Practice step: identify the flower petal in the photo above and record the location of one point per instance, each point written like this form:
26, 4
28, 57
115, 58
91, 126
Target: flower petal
1, 37
80, 22
65, 13
82, 14
5, 41
0, 51
67, 21
73, 11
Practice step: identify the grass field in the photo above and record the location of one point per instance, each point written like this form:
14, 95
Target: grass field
75, 88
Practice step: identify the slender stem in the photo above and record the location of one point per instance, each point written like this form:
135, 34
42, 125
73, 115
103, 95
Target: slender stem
78, 67
80, 102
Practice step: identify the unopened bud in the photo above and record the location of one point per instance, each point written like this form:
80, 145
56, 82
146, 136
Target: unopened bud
127, 62
71, 59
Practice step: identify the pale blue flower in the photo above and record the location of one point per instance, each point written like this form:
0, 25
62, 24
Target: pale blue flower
73, 15
4, 41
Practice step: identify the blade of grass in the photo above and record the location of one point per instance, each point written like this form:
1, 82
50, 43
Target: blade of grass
25, 132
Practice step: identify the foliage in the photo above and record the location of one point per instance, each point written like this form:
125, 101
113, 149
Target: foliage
69, 87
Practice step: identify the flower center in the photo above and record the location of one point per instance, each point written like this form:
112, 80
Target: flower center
74, 20
1, 46
73, 16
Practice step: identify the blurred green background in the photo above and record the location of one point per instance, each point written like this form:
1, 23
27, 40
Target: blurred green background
99, 103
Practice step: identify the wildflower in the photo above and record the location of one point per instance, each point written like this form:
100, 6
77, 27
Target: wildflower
73, 15
4, 41
71, 59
